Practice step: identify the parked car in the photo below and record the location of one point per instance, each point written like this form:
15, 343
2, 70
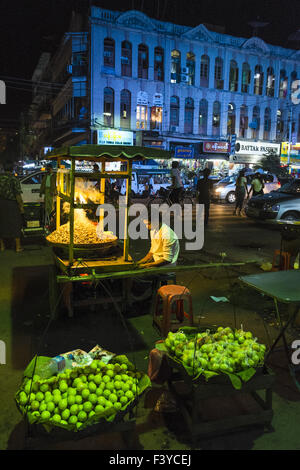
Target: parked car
282, 204
224, 190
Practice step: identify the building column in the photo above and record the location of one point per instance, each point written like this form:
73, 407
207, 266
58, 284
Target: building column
117, 109
209, 117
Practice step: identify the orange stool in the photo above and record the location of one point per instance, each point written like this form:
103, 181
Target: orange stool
284, 261
172, 296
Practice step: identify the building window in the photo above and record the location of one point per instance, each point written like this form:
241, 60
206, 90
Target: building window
189, 116
216, 118
246, 78
280, 125
258, 80
255, 124
203, 113
143, 61
126, 59
156, 118
293, 78
125, 109
109, 53
175, 66
231, 119
159, 64
267, 124
243, 121
298, 133
108, 108
283, 83
141, 117
204, 70
190, 66
219, 82
233, 76
270, 82
174, 111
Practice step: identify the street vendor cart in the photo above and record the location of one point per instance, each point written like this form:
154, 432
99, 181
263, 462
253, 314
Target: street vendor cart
81, 246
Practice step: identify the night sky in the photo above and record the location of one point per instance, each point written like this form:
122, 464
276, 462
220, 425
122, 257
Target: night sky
30, 27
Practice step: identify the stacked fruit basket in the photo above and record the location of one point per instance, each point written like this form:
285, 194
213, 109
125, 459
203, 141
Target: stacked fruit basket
235, 353
80, 396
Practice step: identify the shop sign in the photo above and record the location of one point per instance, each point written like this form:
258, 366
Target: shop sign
244, 159
158, 100
142, 98
184, 152
215, 147
294, 153
244, 147
113, 136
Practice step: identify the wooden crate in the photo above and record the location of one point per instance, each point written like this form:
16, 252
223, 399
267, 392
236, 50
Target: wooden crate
191, 395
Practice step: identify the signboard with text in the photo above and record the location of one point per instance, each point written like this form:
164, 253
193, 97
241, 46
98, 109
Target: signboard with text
244, 147
215, 147
184, 152
113, 136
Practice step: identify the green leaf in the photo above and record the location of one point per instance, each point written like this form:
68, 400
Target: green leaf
161, 347
246, 374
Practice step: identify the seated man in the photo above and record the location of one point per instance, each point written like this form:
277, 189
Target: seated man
164, 248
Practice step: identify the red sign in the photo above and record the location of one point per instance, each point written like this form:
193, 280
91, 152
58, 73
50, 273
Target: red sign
215, 147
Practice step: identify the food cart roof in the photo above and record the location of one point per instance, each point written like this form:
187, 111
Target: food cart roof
121, 152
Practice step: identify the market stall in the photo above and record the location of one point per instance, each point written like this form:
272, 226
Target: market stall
80, 245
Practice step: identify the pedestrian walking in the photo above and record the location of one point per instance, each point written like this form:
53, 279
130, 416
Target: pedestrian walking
204, 187
240, 192
11, 207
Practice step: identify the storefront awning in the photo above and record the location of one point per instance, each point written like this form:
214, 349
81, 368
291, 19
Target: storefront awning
109, 151
214, 156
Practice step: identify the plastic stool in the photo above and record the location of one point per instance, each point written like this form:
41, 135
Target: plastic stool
284, 261
172, 296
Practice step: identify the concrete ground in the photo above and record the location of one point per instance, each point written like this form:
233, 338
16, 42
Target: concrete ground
26, 330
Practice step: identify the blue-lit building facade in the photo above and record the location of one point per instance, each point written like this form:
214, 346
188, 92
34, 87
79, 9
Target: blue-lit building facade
178, 87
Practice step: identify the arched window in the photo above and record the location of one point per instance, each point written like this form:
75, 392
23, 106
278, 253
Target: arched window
203, 113
246, 78
125, 109
298, 131
190, 65
280, 125
283, 83
143, 61
231, 119
233, 76
258, 80
270, 82
204, 70
219, 82
255, 124
174, 111
267, 124
159, 64
108, 107
175, 66
216, 118
243, 120
126, 59
109, 53
293, 78
188, 115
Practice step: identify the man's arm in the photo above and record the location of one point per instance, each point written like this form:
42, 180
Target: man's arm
146, 259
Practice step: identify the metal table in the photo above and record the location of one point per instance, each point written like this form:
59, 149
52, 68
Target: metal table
282, 286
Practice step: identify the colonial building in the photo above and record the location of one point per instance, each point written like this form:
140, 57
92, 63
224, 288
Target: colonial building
180, 88
186, 85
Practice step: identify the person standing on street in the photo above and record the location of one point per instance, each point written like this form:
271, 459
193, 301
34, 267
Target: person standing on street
204, 187
11, 207
256, 186
48, 188
240, 192
177, 185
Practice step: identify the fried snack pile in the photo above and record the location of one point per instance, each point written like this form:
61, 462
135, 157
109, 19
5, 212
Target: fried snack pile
84, 234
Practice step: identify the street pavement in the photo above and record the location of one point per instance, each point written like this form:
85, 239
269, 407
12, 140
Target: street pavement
27, 330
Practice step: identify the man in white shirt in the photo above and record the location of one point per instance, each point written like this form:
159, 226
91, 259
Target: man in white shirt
164, 248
